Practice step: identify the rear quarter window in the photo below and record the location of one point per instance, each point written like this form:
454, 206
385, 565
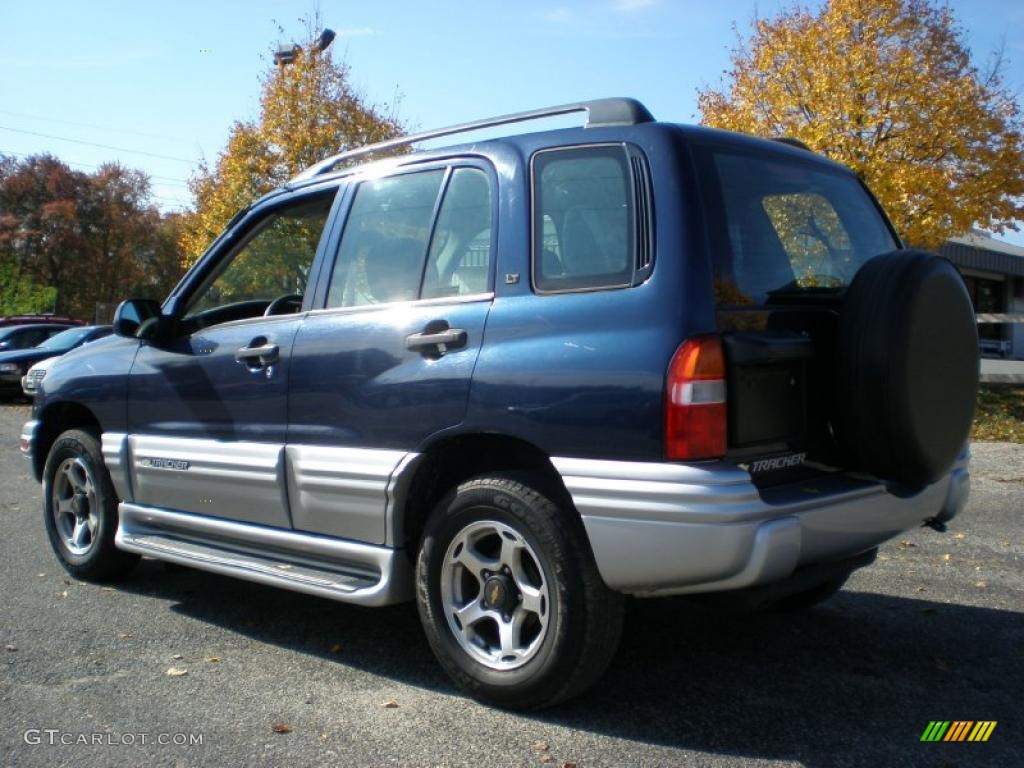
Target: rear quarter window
589, 219
785, 227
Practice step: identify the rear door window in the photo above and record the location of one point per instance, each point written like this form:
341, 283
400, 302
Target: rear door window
459, 260
786, 227
385, 240
426, 234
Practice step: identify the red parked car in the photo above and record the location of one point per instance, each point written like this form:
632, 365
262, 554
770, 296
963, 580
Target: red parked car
32, 319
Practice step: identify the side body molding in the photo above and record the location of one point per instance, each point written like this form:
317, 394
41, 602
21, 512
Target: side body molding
115, 455
341, 492
310, 518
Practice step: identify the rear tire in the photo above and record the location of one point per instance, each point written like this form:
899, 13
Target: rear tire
510, 597
80, 509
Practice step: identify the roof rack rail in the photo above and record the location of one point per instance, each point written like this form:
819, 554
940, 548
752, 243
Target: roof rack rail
600, 113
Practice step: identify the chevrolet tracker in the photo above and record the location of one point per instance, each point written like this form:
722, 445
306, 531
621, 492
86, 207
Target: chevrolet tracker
517, 380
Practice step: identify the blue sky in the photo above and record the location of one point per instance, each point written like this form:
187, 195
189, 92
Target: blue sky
136, 75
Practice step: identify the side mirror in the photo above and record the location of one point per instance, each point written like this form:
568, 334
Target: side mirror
132, 314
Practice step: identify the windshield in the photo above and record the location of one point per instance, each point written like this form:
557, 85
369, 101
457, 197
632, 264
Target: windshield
65, 339
787, 226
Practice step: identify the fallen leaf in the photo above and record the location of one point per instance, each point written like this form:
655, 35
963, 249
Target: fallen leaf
281, 728
541, 746
213, 659
390, 704
547, 759
981, 584
64, 593
920, 589
11, 647
946, 557
176, 656
960, 535
176, 672
907, 544
125, 635
567, 764
336, 648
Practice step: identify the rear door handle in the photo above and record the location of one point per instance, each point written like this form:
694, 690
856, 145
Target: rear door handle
256, 357
442, 341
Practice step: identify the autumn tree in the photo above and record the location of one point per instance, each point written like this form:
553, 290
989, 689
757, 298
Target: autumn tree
308, 110
72, 241
888, 88
40, 231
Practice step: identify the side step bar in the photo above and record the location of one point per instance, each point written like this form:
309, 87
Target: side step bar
338, 569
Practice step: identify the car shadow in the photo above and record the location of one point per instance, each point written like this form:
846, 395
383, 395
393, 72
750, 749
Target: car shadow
852, 682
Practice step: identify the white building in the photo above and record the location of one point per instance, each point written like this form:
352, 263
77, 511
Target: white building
994, 273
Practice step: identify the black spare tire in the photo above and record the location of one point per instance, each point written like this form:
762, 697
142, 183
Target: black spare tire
906, 374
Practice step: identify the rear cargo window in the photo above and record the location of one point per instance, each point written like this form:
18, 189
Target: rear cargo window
786, 227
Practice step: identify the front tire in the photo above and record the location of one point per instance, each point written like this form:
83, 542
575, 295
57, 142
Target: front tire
510, 597
80, 509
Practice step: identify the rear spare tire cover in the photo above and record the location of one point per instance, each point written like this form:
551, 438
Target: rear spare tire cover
906, 367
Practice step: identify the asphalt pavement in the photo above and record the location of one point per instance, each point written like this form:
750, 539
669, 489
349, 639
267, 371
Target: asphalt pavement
180, 668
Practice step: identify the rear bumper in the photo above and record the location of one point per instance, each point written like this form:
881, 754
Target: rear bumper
659, 529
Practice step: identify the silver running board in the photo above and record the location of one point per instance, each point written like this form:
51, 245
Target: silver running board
338, 569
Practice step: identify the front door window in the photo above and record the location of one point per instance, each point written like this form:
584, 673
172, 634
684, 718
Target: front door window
268, 272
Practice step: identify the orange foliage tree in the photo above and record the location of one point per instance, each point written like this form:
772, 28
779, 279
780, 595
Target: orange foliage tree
888, 88
308, 110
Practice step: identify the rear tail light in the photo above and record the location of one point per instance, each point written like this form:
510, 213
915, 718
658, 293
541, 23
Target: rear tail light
695, 418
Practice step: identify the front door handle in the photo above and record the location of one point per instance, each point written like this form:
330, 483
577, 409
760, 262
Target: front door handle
439, 341
257, 357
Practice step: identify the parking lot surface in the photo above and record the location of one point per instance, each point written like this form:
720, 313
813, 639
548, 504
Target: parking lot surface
933, 631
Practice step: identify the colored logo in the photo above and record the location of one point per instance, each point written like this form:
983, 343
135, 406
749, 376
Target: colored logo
958, 730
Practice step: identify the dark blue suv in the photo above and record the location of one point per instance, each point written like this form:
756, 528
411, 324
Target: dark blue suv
516, 380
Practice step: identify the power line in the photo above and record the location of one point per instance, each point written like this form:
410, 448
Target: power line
166, 179
177, 200
90, 125
94, 144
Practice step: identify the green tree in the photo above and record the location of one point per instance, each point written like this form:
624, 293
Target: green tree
888, 88
19, 294
308, 110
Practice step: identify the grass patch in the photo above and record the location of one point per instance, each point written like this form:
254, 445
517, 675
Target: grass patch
1000, 414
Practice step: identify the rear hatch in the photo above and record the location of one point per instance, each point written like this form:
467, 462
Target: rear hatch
787, 233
